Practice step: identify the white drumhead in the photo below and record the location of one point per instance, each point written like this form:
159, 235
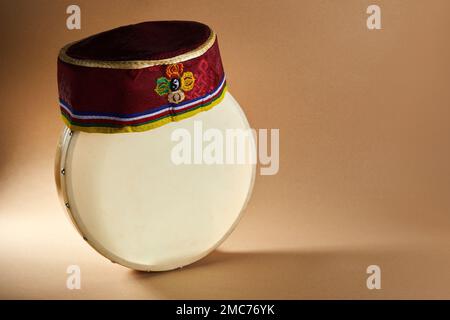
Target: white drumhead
136, 207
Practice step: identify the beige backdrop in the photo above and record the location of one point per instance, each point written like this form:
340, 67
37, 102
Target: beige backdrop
365, 151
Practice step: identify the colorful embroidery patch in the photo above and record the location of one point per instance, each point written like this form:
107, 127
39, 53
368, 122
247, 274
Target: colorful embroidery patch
176, 83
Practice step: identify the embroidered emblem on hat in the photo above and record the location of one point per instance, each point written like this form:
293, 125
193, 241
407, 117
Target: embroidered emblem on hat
176, 83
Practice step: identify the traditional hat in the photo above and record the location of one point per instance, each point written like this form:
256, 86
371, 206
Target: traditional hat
139, 77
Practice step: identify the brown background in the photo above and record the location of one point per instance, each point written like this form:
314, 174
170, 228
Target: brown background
365, 147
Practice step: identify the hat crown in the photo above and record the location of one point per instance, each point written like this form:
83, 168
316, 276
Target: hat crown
153, 40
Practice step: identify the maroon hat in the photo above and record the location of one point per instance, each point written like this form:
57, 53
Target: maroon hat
139, 77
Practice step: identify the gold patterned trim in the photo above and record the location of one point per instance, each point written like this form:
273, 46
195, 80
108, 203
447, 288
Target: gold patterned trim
137, 64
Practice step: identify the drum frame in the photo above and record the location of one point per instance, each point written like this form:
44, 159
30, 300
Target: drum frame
60, 179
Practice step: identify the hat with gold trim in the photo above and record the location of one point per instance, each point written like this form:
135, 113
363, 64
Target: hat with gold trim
139, 77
